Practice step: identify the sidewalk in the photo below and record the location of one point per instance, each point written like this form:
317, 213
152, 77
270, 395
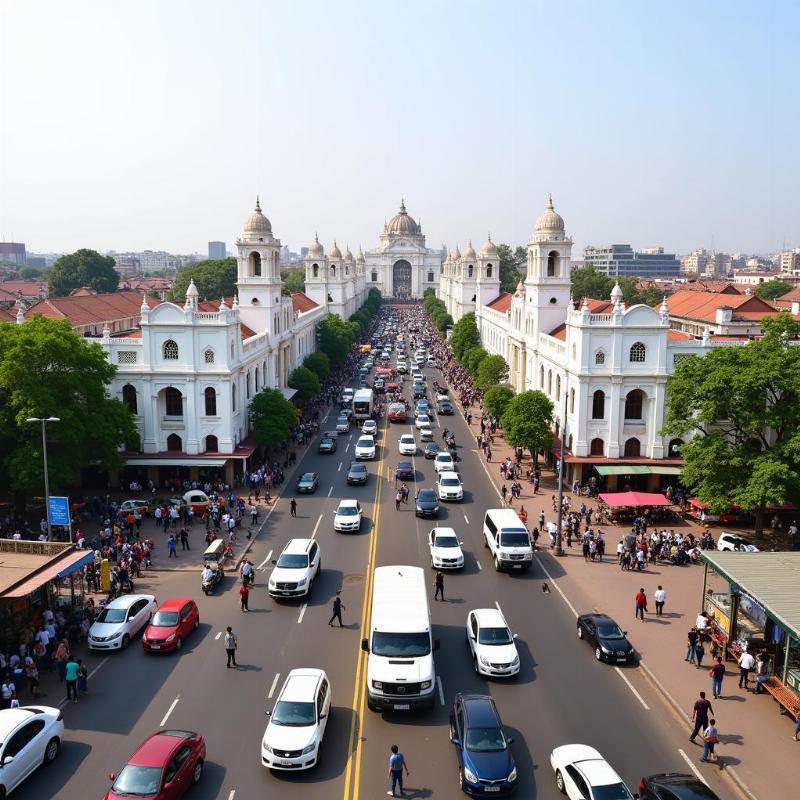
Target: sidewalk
756, 747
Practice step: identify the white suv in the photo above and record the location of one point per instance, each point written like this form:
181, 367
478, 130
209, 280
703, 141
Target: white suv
30, 736
297, 724
449, 486
120, 620
445, 549
295, 569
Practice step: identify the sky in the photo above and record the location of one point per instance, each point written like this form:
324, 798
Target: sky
154, 124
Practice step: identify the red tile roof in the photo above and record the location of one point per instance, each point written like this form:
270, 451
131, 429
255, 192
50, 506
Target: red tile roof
598, 306
7, 316
679, 336
704, 305
7, 297
27, 288
301, 303
90, 309
560, 332
501, 303
784, 301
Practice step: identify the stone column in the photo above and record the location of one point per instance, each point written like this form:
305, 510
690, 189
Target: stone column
616, 413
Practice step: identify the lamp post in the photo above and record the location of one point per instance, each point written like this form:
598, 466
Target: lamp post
559, 549
44, 421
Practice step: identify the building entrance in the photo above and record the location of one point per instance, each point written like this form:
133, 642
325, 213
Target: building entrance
401, 279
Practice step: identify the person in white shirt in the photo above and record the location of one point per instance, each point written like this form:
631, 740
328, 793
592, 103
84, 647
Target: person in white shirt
207, 574
659, 596
746, 663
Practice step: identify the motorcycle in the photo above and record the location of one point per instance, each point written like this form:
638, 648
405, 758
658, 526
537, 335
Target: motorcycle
208, 586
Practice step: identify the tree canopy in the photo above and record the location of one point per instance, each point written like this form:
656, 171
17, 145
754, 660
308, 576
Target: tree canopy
214, 279
510, 262
48, 370
82, 268
492, 371
335, 339
294, 280
772, 289
527, 421
588, 282
472, 359
306, 382
465, 335
741, 405
272, 416
319, 364
496, 400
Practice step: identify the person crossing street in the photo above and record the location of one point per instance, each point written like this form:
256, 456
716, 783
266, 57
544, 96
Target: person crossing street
338, 607
231, 642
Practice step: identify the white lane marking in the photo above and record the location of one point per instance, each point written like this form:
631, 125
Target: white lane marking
465, 519
631, 687
97, 668
347, 447
302, 612
557, 587
316, 526
441, 690
265, 561
330, 491
169, 711
479, 565
692, 767
274, 686
232, 794
219, 633
340, 466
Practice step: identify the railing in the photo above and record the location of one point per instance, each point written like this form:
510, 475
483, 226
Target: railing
33, 548
600, 317
210, 316
127, 342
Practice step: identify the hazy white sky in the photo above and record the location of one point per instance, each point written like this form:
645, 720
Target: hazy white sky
153, 124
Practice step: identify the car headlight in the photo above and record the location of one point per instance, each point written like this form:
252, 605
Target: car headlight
144, 637
116, 635
272, 583
266, 747
171, 637
512, 776
515, 662
604, 648
470, 775
377, 684
302, 582
310, 749
425, 685
484, 661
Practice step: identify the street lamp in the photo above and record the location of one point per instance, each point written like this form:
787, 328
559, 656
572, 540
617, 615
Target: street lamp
44, 421
559, 549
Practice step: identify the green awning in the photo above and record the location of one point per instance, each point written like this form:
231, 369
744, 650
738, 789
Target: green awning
629, 469
665, 470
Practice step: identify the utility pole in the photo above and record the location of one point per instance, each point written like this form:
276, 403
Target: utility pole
559, 548
44, 421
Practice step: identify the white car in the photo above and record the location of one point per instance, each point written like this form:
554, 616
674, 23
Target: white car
297, 724
426, 434
402, 367
369, 427
735, 541
120, 620
134, 505
581, 772
494, 653
449, 486
407, 444
30, 737
418, 377
445, 549
347, 516
295, 569
444, 463
441, 396
365, 448
422, 421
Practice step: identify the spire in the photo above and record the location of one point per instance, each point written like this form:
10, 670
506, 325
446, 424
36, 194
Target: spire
144, 302
549, 200
402, 205
258, 204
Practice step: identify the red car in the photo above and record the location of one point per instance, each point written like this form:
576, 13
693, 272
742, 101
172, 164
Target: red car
162, 768
171, 624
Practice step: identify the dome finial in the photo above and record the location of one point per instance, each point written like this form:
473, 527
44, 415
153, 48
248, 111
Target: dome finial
258, 203
550, 200
402, 205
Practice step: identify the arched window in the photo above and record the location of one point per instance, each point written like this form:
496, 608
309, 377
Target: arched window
170, 350
549, 382
212, 444
247, 384
333, 270
210, 396
173, 401
255, 264
488, 270
633, 448
315, 270
255, 378
208, 356
541, 377
346, 270
174, 443
633, 404
598, 405
233, 397
638, 352
374, 277
596, 447
599, 357
469, 271
571, 401
552, 264
430, 277
129, 398
558, 387
569, 443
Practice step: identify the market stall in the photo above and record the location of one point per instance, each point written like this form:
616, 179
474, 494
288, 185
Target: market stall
618, 506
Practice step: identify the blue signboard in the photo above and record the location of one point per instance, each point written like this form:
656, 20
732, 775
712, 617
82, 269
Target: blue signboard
58, 510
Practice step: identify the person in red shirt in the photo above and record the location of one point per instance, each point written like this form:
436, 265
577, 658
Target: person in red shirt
717, 673
641, 604
244, 594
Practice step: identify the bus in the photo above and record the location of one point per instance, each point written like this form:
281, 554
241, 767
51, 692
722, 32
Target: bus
362, 404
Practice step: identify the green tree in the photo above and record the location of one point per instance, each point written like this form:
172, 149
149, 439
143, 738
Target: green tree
465, 335
30, 273
214, 279
527, 422
521, 257
496, 400
335, 338
444, 322
294, 280
82, 268
319, 364
510, 275
741, 406
47, 370
473, 358
773, 289
272, 416
492, 371
306, 382
588, 282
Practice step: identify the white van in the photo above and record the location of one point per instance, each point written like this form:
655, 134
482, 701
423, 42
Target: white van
400, 671
507, 539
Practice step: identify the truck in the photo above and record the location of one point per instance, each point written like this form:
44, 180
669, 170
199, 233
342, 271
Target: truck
362, 404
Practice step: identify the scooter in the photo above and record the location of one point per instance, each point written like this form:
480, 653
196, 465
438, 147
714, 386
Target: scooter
208, 586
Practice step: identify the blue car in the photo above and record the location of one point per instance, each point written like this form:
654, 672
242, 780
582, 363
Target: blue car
486, 766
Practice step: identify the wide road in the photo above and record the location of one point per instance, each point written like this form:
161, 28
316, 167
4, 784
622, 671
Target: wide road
561, 696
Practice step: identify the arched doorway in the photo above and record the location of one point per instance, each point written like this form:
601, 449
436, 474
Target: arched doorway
401, 279
174, 443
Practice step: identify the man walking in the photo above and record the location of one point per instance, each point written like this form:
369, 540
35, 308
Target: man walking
746, 663
172, 546
700, 711
338, 607
717, 673
72, 679
438, 583
641, 604
397, 763
691, 643
184, 539
244, 594
231, 643
659, 596
293, 507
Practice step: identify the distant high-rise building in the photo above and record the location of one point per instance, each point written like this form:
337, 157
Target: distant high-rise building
217, 250
620, 260
12, 253
790, 260
696, 262
127, 264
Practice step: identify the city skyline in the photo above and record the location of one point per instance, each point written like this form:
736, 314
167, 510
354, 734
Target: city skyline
659, 127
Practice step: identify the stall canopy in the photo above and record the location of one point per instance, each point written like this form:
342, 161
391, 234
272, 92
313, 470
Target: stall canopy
64, 566
636, 469
617, 499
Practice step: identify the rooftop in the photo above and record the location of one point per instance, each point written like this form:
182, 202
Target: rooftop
704, 305
90, 309
501, 303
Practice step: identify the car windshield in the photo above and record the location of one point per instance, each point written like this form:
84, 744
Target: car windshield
444, 458
450, 482
432, 447
407, 439
514, 539
426, 495
347, 511
358, 468
609, 630
401, 645
295, 715
341, 420
293, 560
165, 619
445, 541
365, 442
327, 442
611, 791
112, 615
308, 476
485, 740
493, 636
136, 781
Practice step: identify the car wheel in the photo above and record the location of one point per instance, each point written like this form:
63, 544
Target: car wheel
580, 632
197, 623
125, 641
598, 654
475, 665
310, 587
560, 782
496, 564
50, 753
178, 643
485, 543
197, 773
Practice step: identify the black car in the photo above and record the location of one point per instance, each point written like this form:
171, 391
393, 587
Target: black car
357, 474
427, 503
445, 408
609, 641
327, 445
308, 482
419, 390
674, 786
405, 471
432, 449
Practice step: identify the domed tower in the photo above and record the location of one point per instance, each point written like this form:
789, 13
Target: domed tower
336, 298
258, 267
488, 283
317, 272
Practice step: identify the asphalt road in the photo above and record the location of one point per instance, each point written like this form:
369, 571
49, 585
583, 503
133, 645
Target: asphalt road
562, 694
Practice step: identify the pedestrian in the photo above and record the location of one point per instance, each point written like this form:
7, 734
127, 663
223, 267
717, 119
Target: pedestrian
746, 663
172, 546
691, 641
231, 642
504, 492
710, 738
438, 583
796, 730
248, 573
641, 604
763, 671
72, 679
397, 763
244, 595
659, 596
338, 607
700, 711
717, 673
185, 539
699, 652
293, 507
83, 677
61, 657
